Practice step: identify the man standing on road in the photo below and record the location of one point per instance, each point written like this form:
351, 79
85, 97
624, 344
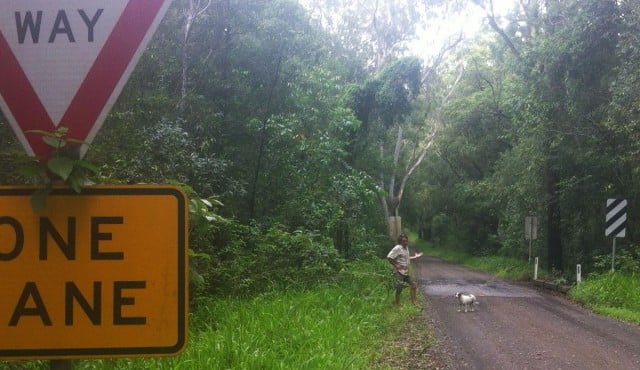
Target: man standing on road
400, 258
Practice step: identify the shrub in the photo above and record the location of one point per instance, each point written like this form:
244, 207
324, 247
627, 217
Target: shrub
627, 260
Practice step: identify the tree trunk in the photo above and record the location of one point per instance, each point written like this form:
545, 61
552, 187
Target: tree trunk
554, 227
262, 147
194, 9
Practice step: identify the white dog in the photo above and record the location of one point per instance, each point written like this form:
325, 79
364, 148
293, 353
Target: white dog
466, 300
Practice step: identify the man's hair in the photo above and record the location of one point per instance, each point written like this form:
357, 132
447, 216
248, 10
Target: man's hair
402, 236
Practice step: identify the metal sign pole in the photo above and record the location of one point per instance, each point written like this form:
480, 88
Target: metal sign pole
613, 256
530, 231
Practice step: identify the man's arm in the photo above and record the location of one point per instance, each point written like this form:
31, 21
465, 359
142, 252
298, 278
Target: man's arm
395, 264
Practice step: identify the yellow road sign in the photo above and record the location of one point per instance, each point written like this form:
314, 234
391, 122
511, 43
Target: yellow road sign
102, 273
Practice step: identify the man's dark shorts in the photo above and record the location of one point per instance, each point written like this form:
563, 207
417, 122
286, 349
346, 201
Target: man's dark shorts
403, 281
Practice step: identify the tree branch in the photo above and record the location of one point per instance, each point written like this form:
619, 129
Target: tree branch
491, 17
432, 136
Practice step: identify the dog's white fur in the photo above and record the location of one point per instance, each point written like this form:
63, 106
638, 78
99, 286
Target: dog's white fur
466, 301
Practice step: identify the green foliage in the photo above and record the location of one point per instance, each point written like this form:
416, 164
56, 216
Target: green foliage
545, 131
162, 151
399, 84
262, 128
230, 258
627, 261
252, 261
504, 267
203, 214
382, 101
63, 166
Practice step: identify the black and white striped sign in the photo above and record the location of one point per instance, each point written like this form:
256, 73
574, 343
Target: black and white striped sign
616, 218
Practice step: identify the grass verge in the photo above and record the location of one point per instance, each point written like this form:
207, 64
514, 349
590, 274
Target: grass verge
611, 294
345, 325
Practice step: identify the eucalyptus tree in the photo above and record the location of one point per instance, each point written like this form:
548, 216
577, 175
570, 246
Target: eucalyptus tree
401, 116
399, 126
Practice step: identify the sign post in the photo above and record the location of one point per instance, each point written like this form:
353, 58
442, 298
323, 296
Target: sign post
530, 231
616, 224
97, 274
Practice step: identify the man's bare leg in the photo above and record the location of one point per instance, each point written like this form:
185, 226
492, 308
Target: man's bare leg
414, 299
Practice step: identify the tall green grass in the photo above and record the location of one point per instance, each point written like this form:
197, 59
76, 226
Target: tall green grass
611, 294
338, 326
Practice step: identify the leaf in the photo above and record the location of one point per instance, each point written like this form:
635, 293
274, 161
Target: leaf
76, 141
76, 181
38, 199
54, 142
196, 277
88, 166
42, 133
61, 166
31, 169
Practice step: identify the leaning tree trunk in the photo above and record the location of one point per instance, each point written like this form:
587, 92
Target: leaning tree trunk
554, 227
192, 10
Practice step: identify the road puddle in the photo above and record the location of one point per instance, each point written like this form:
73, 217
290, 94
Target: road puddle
480, 288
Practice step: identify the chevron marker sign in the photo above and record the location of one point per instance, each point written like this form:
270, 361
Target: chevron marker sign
616, 219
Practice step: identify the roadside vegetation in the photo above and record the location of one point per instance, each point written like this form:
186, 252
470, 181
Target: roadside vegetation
351, 323
504, 267
613, 294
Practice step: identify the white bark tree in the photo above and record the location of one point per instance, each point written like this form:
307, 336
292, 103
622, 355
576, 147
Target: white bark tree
193, 9
416, 151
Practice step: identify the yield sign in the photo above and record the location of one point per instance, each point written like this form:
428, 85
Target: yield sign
64, 63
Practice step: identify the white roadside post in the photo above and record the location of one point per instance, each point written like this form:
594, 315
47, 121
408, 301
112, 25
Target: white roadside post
535, 270
578, 274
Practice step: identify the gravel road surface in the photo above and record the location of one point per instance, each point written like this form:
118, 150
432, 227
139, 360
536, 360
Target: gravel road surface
517, 326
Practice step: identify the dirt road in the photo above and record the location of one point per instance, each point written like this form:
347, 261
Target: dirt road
519, 327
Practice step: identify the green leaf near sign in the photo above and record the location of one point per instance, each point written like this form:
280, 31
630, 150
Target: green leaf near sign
61, 166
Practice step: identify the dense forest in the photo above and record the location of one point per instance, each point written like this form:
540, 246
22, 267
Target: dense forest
300, 129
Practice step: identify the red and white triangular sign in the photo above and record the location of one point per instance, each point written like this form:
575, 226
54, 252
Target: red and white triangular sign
64, 63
